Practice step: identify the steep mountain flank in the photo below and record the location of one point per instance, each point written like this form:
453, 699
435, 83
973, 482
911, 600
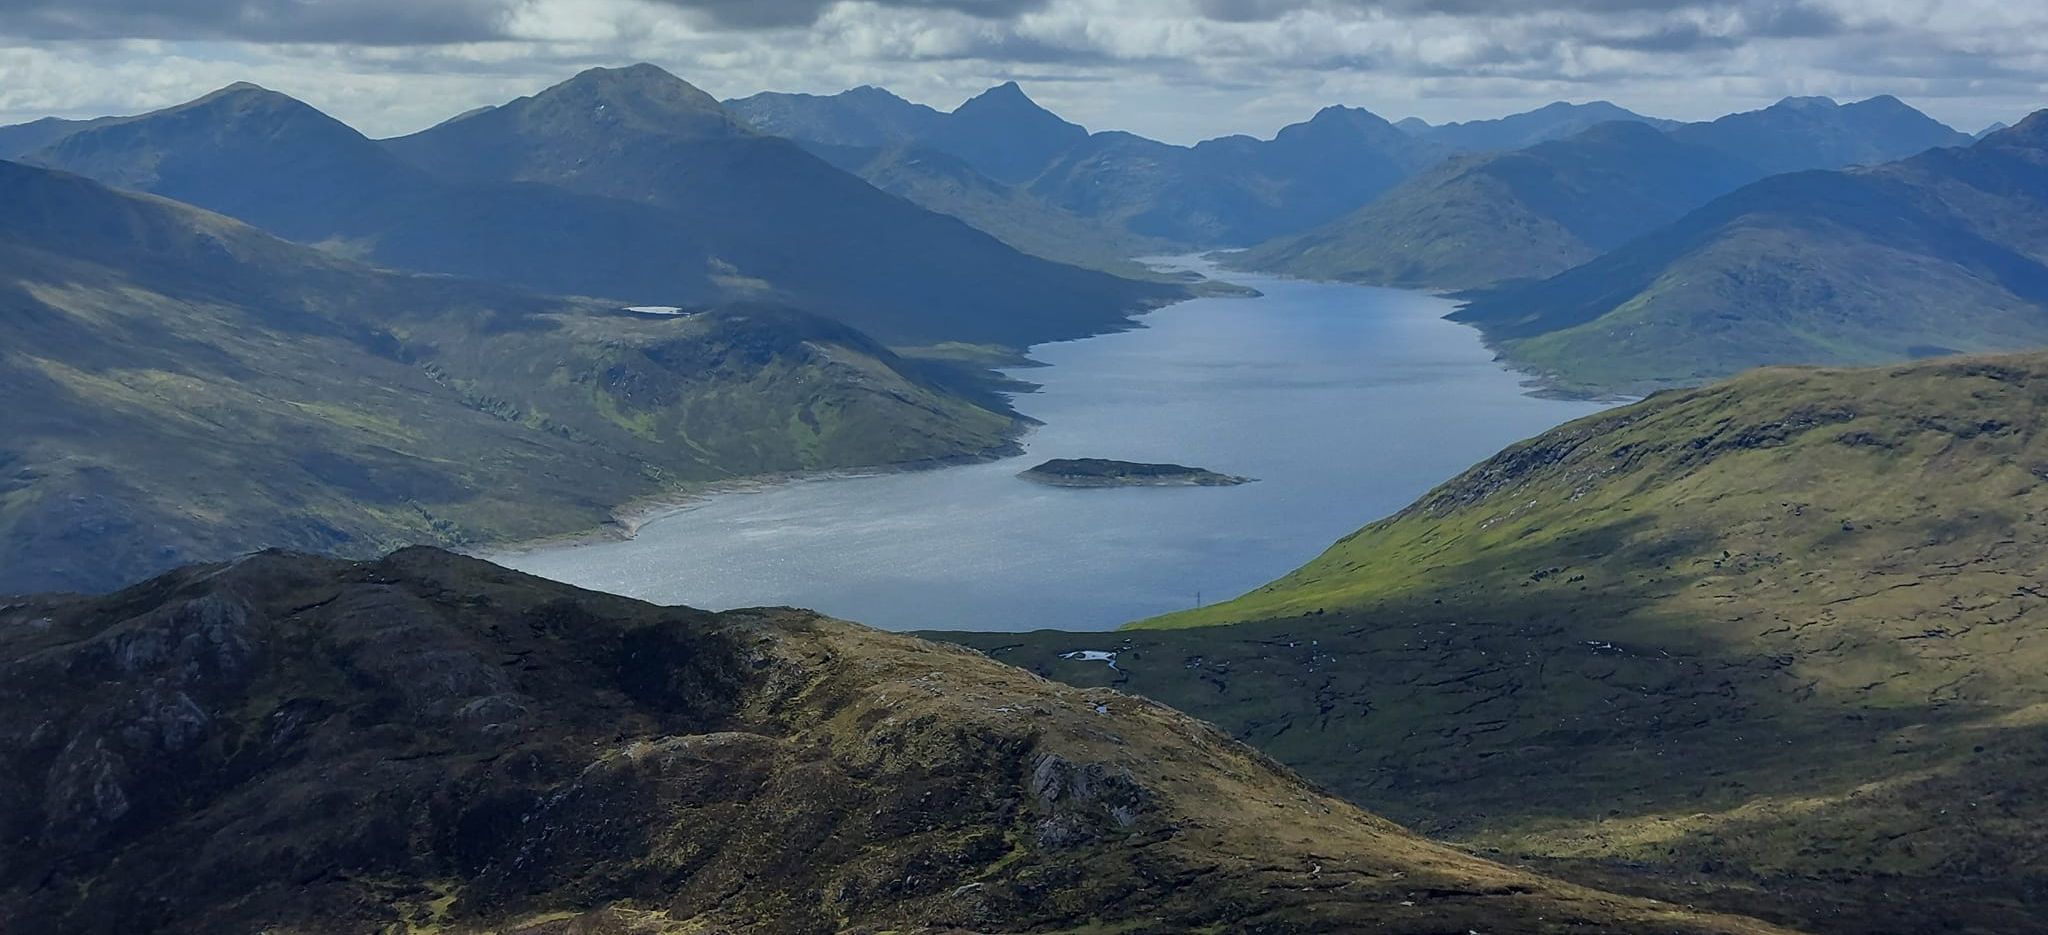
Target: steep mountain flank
182, 387
432, 744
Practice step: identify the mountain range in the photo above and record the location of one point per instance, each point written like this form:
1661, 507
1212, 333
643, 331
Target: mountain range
183, 387
1538, 211
1770, 647
564, 191
1231, 191
1519, 131
1935, 254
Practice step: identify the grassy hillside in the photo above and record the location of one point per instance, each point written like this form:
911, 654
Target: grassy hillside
184, 387
1528, 214
1772, 646
430, 744
1940, 253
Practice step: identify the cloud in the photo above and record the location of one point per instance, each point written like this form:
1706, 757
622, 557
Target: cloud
367, 22
1177, 69
760, 14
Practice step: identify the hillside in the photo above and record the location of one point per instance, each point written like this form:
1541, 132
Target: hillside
432, 744
628, 184
1936, 254
183, 387
1527, 214
1772, 646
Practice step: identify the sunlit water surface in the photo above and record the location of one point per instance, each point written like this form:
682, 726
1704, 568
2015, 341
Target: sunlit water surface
1347, 403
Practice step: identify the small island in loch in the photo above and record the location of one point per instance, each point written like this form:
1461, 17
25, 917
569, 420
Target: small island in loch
1099, 472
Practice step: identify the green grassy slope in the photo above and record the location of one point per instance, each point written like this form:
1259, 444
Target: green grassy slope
1940, 253
183, 387
430, 744
1773, 646
1527, 214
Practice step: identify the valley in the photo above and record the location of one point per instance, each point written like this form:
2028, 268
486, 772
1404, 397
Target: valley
429, 525
1340, 399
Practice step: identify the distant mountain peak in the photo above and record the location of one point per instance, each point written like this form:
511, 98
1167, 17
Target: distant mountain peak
1006, 97
1808, 103
244, 92
643, 94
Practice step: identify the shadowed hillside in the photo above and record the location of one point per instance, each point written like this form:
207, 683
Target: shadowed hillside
1773, 646
432, 744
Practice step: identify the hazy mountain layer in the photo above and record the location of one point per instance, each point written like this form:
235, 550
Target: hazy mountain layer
627, 183
1939, 253
1528, 214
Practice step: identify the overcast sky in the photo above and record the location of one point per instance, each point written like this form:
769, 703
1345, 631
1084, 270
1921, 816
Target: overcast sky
1179, 70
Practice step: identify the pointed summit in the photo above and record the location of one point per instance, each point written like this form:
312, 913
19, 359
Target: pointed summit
1006, 134
1008, 101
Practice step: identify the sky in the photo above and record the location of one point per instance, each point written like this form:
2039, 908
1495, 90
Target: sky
1178, 70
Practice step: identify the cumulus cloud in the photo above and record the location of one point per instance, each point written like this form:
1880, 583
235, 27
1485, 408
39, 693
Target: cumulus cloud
1178, 69
781, 13
370, 22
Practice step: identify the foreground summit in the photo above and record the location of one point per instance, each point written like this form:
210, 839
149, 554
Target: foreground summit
434, 744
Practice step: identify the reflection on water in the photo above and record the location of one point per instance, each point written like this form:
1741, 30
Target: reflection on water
1347, 403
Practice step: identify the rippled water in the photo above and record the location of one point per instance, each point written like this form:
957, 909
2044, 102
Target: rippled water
1347, 402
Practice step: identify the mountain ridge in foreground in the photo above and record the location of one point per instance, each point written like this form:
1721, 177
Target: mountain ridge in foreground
1773, 646
432, 744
